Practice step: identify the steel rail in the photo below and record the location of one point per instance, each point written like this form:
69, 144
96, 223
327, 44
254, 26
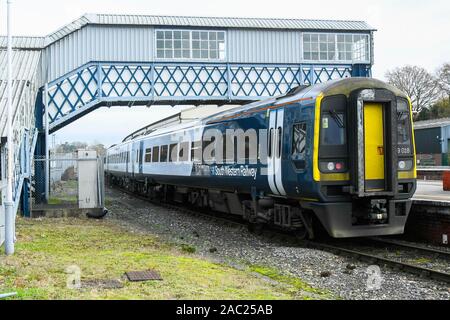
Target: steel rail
443, 254
402, 266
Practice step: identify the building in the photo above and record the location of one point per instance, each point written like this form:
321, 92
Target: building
433, 142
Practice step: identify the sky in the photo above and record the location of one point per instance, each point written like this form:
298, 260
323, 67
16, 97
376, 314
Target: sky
412, 32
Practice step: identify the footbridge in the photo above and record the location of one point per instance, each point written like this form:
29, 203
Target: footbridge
105, 60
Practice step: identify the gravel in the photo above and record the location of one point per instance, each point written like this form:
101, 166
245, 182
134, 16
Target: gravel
343, 277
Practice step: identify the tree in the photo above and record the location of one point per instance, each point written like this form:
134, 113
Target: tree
443, 78
417, 83
439, 110
99, 147
70, 147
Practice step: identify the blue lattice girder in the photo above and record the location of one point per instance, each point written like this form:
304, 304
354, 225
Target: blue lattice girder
181, 83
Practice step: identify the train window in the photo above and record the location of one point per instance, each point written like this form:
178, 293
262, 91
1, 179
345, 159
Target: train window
173, 152
333, 128
212, 154
196, 151
270, 142
299, 139
183, 153
155, 155
403, 128
251, 155
280, 136
148, 155
164, 151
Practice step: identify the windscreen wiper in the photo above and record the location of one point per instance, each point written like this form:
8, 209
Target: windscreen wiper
336, 118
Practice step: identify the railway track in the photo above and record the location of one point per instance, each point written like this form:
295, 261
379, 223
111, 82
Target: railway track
378, 259
336, 246
438, 253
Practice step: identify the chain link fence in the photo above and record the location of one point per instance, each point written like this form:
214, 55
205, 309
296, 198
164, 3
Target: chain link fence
75, 180
63, 180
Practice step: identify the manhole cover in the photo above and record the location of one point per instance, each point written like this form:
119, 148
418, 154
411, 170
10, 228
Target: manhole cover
143, 275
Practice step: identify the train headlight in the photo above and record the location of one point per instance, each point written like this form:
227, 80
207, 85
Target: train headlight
405, 165
330, 166
333, 167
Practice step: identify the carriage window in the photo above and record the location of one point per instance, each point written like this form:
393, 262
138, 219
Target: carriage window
183, 153
173, 152
403, 128
196, 151
280, 136
164, 151
155, 156
333, 129
248, 156
148, 155
270, 143
299, 139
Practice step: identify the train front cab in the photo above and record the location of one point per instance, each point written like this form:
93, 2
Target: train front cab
363, 162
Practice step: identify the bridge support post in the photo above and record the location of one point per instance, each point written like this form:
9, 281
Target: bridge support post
26, 190
47, 150
26, 169
39, 152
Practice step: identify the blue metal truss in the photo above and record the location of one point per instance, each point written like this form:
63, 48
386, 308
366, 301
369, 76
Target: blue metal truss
107, 83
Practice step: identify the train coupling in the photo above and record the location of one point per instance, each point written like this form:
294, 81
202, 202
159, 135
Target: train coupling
378, 211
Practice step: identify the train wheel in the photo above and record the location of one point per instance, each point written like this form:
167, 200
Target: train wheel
301, 234
256, 228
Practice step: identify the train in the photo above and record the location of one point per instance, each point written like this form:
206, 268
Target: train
337, 157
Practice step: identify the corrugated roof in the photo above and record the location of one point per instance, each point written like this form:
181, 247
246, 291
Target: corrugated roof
227, 22
24, 42
187, 21
24, 67
436, 123
24, 64
18, 89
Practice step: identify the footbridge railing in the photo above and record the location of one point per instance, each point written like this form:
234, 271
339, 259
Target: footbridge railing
112, 83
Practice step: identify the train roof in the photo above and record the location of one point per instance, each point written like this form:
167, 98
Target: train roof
309, 94
346, 86
305, 93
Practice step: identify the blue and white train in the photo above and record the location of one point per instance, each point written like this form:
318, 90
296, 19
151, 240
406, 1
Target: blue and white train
339, 154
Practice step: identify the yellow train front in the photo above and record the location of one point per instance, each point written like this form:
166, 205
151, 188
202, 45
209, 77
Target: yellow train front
363, 161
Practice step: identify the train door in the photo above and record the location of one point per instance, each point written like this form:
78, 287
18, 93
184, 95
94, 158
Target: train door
275, 152
374, 147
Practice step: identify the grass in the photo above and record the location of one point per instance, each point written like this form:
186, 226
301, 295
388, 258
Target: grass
422, 260
294, 284
104, 251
